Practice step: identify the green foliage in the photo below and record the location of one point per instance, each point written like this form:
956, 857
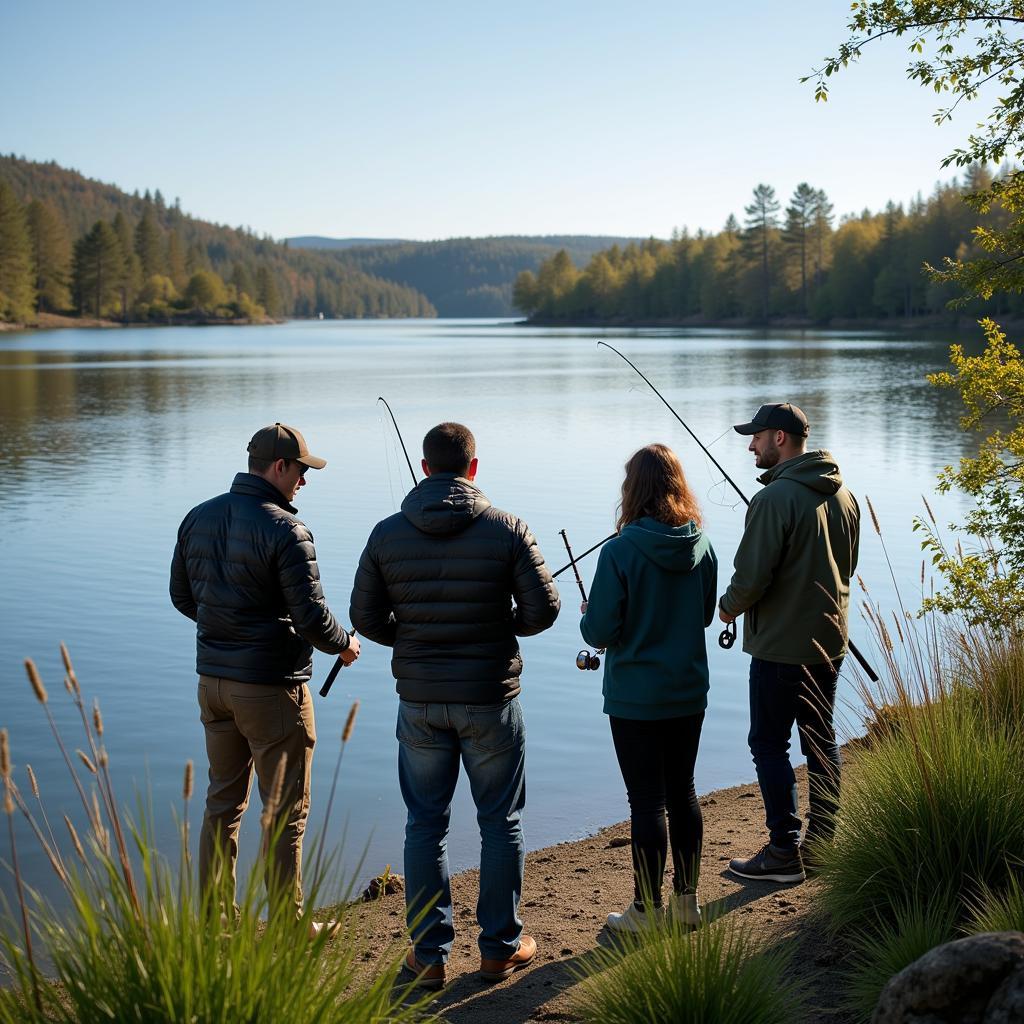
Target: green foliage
51, 257
930, 813
162, 240
1000, 910
206, 291
895, 942
17, 296
985, 582
98, 271
670, 975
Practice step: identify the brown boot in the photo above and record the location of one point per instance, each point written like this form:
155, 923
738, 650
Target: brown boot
498, 970
427, 975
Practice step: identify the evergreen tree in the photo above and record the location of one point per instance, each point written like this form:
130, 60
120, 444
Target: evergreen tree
760, 225
149, 243
796, 234
17, 296
98, 270
269, 295
245, 284
176, 259
51, 257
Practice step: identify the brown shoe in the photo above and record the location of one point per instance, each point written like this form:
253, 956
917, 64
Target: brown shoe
499, 970
427, 975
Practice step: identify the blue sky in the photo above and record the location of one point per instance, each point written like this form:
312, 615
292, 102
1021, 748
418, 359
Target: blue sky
416, 120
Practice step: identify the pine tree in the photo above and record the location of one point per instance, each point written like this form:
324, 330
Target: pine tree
98, 270
761, 223
149, 243
269, 295
51, 256
17, 296
821, 233
796, 234
176, 259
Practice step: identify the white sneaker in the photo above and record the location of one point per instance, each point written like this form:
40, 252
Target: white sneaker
683, 907
633, 920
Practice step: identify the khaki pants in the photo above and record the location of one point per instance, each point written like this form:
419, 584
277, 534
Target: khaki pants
250, 726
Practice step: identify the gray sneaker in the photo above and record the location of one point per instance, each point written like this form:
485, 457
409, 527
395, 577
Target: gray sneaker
634, 920
770, 864
683, 908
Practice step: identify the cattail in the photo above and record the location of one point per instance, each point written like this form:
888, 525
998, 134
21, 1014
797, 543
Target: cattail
350, 723
103, 759
8, 802
37, 683
75, 841
886, 638
861, 583
874, 518
896, 621
33, 784
5, 755
931, 514
66, 658
84, 757
186, 789
97, 718
274, 797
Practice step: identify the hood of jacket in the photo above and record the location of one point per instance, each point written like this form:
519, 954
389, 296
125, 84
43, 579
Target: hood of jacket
817, 470
443, 504
674, 548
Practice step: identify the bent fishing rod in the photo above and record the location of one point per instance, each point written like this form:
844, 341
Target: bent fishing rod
339, 664
872, 675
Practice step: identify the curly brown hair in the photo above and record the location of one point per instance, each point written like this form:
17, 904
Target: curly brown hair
656, 486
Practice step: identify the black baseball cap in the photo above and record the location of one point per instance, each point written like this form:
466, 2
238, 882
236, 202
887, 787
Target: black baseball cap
283, 442
782, 416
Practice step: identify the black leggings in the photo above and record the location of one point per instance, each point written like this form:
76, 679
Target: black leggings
657, 759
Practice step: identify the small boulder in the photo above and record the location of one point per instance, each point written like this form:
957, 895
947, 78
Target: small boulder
383, 885
955, 983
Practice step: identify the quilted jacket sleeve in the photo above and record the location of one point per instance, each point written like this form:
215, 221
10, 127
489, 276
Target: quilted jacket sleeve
299, 577
533, 589
371, 610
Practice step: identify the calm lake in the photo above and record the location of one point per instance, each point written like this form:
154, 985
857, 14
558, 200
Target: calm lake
109, 437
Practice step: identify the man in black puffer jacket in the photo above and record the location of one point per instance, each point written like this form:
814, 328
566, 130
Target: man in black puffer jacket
244, 569
449, 583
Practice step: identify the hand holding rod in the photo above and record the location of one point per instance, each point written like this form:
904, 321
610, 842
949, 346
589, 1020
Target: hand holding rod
338, 665
872, 675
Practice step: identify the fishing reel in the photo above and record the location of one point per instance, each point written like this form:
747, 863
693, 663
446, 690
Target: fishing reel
587, 662
728, 635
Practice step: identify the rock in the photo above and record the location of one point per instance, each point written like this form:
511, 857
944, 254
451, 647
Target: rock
383, 885
954, 983
617, 841
1007, 1005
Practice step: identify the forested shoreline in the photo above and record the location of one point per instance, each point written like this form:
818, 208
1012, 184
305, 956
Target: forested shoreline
797, 268
76, 247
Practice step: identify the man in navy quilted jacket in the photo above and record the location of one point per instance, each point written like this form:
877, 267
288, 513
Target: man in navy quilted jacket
450, 583
244, 569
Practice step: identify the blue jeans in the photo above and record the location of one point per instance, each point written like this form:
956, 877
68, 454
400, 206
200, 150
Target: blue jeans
781, 695
490, 739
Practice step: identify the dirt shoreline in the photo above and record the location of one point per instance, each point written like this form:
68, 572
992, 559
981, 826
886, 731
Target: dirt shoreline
571, 887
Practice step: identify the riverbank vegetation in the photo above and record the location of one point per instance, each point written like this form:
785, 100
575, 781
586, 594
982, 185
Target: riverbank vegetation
795, 263
76, 246
137, 942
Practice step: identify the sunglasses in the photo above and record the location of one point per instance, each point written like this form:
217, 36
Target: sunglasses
302, 468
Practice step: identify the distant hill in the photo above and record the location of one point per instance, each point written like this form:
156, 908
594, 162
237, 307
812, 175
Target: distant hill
284, 281
320, 242
464, 277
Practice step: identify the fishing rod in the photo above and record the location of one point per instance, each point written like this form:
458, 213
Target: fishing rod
339, 664
405, 451
584, 660
872, 675
571, 564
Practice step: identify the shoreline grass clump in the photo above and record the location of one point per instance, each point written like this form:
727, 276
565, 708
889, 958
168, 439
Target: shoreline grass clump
139, 942
669, 974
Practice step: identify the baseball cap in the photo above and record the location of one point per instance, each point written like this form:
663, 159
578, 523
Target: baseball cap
282, 442
781, 416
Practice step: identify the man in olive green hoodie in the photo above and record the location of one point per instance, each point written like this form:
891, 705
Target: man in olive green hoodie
791, 583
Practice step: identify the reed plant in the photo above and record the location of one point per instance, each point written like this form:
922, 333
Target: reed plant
668, 974
1000, 910
138, 942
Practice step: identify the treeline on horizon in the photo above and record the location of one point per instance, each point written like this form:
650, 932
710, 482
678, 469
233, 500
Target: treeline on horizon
70, 245
793, 263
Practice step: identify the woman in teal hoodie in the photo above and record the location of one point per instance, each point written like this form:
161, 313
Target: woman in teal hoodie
654, 593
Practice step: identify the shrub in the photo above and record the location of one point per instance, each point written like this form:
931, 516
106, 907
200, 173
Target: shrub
893, 943
1000, 910
669, 974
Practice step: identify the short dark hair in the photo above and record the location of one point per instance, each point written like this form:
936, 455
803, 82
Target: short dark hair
259, 466
449, 448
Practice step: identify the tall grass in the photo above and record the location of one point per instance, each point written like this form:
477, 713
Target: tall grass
139, 943
669, 974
